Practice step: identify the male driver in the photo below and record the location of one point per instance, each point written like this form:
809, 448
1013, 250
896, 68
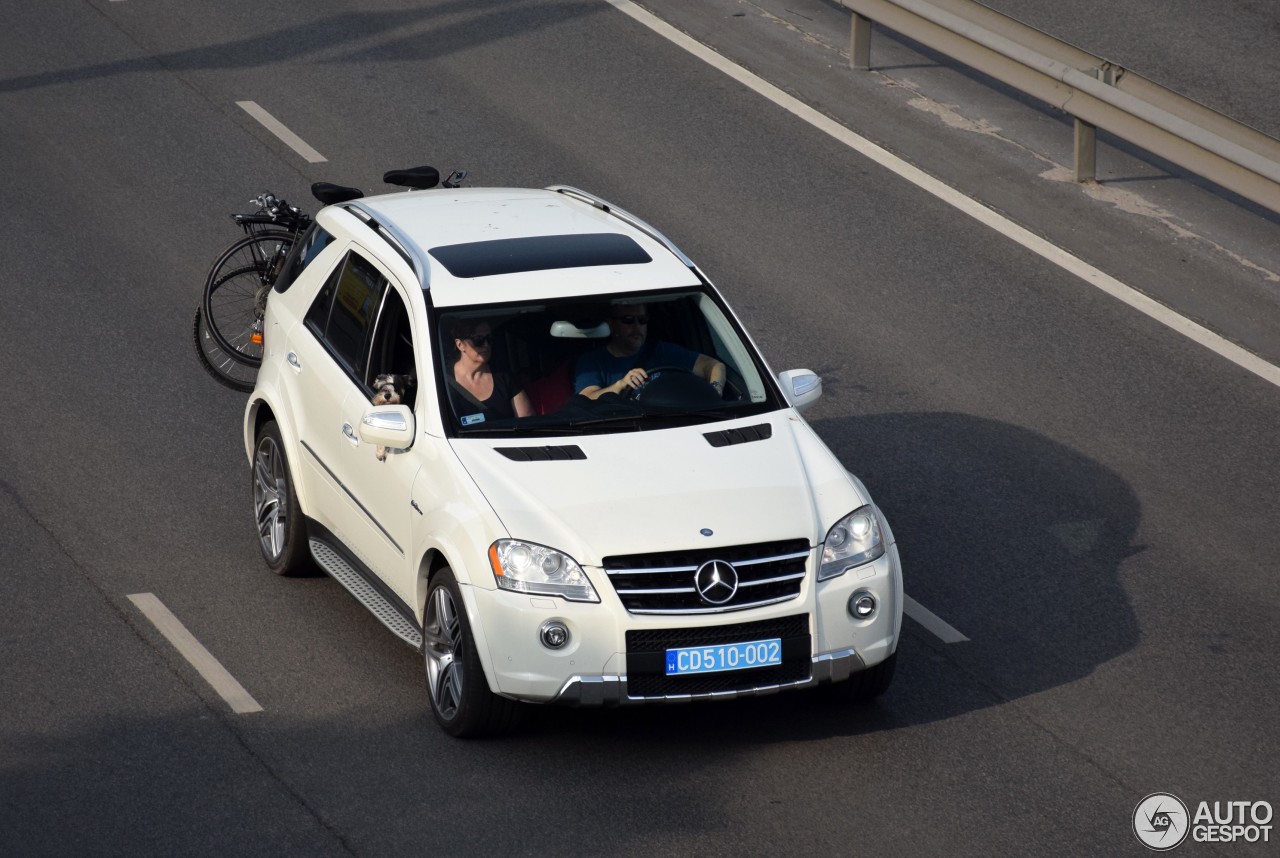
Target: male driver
621, 363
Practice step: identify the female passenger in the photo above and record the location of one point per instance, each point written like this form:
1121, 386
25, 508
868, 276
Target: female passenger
479, 394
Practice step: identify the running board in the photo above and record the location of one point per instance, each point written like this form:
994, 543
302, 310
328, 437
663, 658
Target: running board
338, 568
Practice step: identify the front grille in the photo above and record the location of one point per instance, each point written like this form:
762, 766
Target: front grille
647, 658
663, 582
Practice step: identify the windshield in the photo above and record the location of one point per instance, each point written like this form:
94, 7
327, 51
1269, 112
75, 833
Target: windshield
626, 363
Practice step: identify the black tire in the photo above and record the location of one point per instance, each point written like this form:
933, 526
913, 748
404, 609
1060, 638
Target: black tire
282, 531
460, 697
865, 686
216, 362
236, 290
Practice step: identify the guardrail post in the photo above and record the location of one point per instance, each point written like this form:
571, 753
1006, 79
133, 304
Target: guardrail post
1086, 151
860, 42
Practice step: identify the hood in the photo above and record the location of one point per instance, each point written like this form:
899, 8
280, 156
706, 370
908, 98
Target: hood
640, 492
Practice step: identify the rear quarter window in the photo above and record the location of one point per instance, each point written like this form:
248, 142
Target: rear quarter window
343, 312
303, 252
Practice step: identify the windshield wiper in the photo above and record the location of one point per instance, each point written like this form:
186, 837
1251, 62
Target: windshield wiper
666, 417
615, 419
554, 429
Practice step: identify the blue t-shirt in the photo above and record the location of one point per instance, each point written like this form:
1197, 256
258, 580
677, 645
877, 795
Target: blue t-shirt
599, 367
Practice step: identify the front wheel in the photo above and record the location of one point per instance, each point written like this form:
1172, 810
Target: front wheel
460, 697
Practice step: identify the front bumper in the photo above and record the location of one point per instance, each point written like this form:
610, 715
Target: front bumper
592, 669
612, 690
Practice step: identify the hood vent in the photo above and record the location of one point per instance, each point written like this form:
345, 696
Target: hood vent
743, 435
542, 454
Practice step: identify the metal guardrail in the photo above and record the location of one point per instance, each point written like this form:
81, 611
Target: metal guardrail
1096, 92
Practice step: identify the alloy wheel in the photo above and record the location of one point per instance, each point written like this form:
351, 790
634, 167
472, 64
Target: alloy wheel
442, 645
270, 498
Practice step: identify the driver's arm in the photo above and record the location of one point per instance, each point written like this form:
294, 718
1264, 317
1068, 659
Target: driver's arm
711, 370
634, 378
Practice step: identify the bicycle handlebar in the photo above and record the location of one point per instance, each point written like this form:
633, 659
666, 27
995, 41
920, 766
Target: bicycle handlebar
275, 211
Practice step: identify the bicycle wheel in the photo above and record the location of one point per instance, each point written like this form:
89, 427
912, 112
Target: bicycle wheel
232, 373
236, 290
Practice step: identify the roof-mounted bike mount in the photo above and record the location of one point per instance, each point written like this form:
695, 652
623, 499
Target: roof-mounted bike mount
423, 178
331, 194
417, 178
414, 178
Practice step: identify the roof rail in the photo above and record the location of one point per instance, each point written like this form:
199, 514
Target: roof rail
393, 236
622, 215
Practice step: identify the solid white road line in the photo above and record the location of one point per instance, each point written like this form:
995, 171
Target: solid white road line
276, 127
931, 621
191, 649
952, 197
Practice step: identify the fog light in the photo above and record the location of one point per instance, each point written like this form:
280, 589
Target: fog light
554, 634
862, 605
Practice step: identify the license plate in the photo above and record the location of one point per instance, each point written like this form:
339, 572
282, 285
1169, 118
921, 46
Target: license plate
713, 659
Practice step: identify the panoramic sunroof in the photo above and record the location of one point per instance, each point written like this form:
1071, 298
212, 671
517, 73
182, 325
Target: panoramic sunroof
539, 253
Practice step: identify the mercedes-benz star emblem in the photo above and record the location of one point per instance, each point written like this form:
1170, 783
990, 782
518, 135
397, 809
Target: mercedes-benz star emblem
716, 582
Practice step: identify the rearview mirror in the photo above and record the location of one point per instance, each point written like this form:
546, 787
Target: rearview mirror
388, 426
802, 387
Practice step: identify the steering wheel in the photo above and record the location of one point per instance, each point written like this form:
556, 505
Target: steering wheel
675, 386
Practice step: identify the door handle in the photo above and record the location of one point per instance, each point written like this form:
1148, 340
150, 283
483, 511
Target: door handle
350, 434
292, 359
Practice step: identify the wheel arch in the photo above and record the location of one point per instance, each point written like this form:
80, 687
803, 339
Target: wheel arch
258, 413
433, 560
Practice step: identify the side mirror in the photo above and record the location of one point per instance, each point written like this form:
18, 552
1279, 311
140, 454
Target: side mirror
802, 387
388, 426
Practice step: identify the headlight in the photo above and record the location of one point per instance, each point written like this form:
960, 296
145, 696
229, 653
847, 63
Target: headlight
852, 541
528, 568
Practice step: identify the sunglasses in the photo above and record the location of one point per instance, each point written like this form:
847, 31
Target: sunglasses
632, 320
481, 340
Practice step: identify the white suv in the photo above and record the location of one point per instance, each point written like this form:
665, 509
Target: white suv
676, 534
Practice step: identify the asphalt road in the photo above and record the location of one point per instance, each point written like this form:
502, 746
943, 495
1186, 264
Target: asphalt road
1085, 494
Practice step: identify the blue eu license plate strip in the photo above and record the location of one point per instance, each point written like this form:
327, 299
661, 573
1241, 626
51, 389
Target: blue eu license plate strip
719, 657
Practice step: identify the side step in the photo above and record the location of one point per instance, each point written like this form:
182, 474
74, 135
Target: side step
330, 561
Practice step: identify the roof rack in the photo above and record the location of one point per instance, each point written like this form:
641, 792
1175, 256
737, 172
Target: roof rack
393, 236
622, 215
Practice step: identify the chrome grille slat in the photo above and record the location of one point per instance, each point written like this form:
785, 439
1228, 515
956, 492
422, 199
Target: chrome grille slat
795, 577
656, 571
800, 555
710, 610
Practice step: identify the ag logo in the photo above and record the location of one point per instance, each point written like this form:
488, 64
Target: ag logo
1160, 821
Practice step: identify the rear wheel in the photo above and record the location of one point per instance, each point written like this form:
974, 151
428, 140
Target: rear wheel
460, 697
282, 533
236, 291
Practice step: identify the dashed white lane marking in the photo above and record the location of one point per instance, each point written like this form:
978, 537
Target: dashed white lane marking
949, 195
192, 650
276, 127
931, 621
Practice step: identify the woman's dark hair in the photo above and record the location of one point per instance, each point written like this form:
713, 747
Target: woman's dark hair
461, 328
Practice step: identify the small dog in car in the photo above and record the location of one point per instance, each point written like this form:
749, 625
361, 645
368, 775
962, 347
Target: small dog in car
388, 390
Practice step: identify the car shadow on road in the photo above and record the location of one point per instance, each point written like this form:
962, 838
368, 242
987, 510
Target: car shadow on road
1010, 537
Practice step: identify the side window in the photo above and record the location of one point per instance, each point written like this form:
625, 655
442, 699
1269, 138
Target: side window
300, 255
392, 352
342, 313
